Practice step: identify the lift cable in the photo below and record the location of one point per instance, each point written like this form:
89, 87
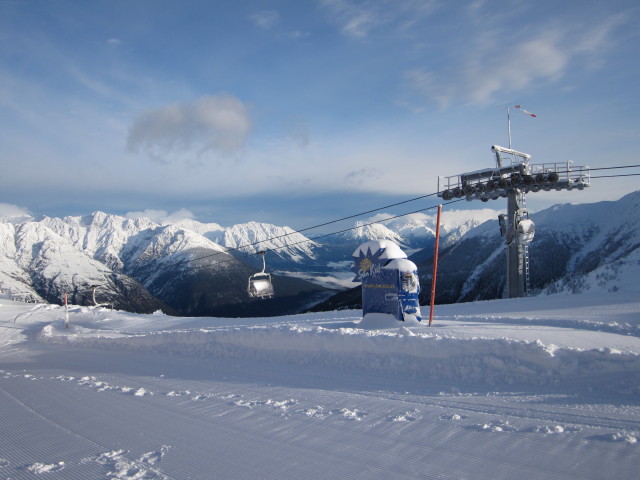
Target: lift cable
358, 214
614, 176
612, 168
370, 223
243, 246
306, 240
313, 239
240, 247
328, 223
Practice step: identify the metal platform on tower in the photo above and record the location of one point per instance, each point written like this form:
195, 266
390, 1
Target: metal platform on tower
512, 178
513, 170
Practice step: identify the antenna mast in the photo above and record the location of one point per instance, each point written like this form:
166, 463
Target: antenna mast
509, 124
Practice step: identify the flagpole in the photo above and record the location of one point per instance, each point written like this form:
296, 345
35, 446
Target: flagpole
509, 125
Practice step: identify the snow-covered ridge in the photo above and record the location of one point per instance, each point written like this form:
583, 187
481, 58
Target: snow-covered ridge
364, 231
55, 255
146, 250
283, 241
429, 356
336, 340
104, 236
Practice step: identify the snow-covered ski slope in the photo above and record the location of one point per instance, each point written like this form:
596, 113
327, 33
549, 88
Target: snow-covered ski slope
536, 388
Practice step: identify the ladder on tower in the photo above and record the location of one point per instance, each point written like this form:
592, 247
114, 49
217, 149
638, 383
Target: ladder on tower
525, 260
525, 252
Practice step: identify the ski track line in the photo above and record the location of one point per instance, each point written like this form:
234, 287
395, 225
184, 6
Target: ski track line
532, 413
583, 420
450, 458
60, 427
528, 413
572, 324
291, 406
282, 406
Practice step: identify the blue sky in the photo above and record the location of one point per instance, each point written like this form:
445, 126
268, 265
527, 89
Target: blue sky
298, 112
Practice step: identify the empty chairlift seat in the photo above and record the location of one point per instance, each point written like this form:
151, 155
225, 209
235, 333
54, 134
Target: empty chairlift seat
260, 285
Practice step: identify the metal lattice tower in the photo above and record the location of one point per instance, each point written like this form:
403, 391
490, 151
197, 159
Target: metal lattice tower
512, 178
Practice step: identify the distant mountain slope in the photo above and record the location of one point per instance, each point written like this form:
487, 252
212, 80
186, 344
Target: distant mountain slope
138, 265
283, 244
577, 248
40, 264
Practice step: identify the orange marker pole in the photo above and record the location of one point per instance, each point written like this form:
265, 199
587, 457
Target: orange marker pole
435, 265
66, 311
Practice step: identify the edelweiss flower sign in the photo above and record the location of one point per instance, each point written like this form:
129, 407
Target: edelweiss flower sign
389, 281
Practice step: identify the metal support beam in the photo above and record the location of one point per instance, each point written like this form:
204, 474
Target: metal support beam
515, 250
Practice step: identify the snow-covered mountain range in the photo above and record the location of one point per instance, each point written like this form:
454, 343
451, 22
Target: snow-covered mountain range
577, 248
140, 265
38, 264
188, 267
196, 268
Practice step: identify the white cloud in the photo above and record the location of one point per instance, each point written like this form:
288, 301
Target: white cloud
354, 20
298, 34
162, 216
457, 218
497, 62
177, 216
210, 124
8, 210
452, 218
266, 19
359, 18
541, 59
428, 84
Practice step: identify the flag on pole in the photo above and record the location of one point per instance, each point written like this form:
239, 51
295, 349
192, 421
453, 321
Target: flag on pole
525, 111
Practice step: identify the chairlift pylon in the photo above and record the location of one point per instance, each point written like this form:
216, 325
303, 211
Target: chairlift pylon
260, 285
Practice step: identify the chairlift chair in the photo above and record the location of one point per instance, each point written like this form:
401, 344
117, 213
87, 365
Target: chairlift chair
95, 303
260, 285
526, 230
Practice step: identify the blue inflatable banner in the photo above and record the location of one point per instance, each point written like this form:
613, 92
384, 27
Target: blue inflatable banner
389, 281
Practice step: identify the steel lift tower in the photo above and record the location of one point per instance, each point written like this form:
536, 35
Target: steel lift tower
512, 178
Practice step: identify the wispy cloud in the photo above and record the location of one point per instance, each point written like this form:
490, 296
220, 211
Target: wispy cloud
210, 124
541, 59
163, 216
359, 18
355, 20
266, 19
298, 34
499, 62
8, 210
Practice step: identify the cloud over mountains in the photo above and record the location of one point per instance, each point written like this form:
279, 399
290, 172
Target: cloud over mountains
218, 124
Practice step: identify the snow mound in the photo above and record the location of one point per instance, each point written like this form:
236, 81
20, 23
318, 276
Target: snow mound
378, 321
378, 344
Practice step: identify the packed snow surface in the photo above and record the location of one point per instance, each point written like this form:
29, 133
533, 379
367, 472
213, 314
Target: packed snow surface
545, 387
